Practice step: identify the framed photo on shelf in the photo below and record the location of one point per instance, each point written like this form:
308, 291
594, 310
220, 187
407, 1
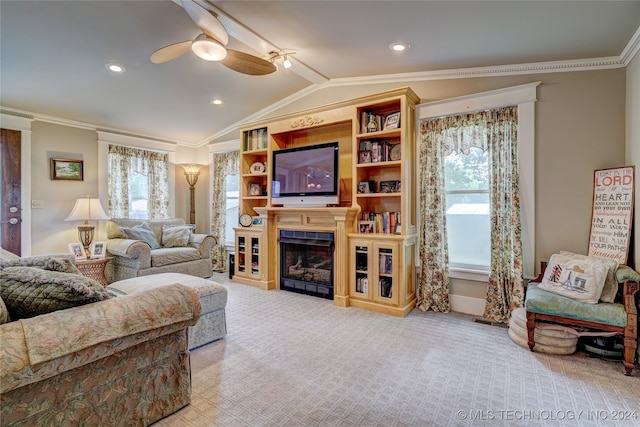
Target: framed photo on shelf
366, 187
255, 189
389, 186
366, 227
392, 121
257, 220
98, 249
364, 157
67, 170
78, 251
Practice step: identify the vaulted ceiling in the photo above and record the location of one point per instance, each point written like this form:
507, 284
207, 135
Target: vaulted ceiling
53, 53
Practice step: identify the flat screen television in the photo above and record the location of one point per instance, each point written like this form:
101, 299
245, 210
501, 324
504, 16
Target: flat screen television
306, 176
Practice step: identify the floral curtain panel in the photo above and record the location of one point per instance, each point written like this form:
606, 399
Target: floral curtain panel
224, 164
122, 162
494, 131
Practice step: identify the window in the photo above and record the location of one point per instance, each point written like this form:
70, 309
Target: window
138, 183
466, 179
233, 192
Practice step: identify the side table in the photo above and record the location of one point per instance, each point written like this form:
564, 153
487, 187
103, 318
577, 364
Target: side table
94, 269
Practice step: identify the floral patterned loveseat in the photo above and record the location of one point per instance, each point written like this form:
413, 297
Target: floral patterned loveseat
119, 360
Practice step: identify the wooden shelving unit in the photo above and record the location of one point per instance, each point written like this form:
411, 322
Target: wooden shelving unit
358, 126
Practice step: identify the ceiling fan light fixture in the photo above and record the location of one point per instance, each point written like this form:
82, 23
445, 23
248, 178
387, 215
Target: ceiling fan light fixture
286, 62
208, 49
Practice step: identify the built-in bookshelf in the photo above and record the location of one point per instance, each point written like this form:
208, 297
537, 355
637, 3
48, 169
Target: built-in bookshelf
376, 209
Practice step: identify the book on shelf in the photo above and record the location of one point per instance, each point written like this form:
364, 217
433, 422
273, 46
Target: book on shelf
384, 222
255, 139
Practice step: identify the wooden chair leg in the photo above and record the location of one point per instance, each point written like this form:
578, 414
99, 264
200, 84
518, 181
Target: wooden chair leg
531, 329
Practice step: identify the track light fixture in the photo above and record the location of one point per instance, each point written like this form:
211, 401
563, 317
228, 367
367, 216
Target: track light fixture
274, 56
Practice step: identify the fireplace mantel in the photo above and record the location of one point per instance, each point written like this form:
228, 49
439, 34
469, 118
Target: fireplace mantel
337, 220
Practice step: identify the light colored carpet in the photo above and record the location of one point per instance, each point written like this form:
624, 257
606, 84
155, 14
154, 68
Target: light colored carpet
296, 360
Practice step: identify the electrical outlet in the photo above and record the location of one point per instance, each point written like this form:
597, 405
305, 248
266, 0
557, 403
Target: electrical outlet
37, 204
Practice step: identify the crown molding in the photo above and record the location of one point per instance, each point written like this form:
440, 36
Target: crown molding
631, 49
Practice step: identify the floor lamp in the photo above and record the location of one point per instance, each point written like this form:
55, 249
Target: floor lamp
192, 171
86, 209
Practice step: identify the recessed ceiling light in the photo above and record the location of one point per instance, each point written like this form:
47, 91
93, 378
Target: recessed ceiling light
216, 101
399, 46
115, 67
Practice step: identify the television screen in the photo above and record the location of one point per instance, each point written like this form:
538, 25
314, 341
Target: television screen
305, 171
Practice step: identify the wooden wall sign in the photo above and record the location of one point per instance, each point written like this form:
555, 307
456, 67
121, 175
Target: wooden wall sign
612, 213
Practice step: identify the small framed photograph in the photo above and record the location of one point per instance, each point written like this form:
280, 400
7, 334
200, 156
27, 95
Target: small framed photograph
388, 186
98, 249
364, 157
392, 121
366, 187
255, 189
67, 169
257, 220
78, 251
397, 229
366, 227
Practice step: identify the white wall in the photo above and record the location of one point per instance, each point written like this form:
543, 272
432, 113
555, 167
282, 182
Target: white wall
632, 145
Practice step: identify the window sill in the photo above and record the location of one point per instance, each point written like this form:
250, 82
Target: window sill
474, 275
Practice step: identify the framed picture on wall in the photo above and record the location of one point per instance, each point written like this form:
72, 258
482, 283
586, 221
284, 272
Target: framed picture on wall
67, 169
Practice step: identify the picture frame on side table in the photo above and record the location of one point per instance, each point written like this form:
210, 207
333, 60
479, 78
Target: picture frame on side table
98, 250
67, 170
78, 251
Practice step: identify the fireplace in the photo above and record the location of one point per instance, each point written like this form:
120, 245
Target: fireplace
306, 262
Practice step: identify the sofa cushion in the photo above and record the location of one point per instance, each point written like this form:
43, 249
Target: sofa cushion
31, 291
176, 236
141, 232
610, 288
540, 301
5, 254
582, 280
4, 313
169, 256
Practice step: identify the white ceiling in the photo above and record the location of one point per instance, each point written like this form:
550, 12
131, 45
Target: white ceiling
53, 53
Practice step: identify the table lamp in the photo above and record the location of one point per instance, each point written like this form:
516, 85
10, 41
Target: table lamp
86, 209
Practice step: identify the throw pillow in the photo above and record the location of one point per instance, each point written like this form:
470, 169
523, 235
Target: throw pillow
176, 236
4, 313
31, 291
141, 232
578, 279
45, 262
610, 288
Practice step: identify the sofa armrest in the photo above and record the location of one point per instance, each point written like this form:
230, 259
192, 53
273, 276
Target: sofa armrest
204, 243
135, 249
41, 345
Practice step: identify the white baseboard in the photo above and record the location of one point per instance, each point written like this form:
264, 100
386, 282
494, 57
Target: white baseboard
467, 305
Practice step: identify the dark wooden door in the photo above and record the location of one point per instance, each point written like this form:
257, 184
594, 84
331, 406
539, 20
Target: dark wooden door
10, 184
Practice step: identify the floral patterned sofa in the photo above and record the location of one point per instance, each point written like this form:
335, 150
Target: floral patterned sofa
142, 247
112, 360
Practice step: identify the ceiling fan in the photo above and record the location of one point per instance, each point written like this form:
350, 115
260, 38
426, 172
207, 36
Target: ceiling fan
210, 45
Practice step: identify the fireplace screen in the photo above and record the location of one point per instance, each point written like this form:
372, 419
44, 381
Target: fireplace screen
306, 262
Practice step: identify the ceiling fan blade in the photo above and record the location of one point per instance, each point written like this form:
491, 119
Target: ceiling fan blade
208, 23
247, 64
170, 52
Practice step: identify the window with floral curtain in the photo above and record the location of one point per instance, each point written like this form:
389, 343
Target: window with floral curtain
138, 183
494, 132
224, 165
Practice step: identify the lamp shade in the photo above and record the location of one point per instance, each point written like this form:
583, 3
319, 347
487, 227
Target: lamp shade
86, 209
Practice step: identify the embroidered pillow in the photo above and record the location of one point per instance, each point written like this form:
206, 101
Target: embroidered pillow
610, 288
176, 236
581, 280
141, 232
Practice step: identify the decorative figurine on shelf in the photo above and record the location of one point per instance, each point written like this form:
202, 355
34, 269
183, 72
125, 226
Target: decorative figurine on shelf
372, 126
